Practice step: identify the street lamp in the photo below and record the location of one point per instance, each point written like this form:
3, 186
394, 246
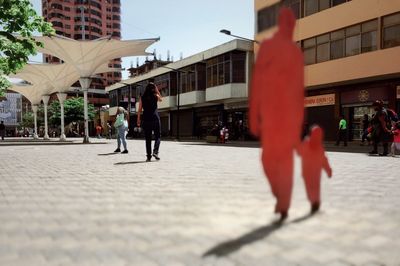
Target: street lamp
129, 100
228, 32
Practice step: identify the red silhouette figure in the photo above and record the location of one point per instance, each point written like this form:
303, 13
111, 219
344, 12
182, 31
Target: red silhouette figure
277, 107
313, 161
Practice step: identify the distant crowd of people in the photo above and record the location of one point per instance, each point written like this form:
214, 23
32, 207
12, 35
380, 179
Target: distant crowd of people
383, 128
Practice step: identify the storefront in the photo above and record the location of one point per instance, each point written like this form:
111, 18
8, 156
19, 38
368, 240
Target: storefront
206, 118
324, 106
320, 110
356, 103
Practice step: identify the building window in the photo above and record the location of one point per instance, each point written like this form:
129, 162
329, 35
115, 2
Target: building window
238, 67
309, 51
350, 41
369, 36
310, 7
323, 48
391, 30
188, 79
67, 8
353, 40
267, 17
294, 5
163, 84
338, 2
337, 44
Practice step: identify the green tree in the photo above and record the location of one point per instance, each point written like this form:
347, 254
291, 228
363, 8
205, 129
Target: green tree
17, 17
27, 120
73, 111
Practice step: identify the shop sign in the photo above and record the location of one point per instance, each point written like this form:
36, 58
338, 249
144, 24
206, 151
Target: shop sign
398, 92
363, 96
319, 100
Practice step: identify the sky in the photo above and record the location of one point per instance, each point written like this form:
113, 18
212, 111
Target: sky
185, 27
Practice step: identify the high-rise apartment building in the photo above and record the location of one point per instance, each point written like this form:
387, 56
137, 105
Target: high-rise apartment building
351, 55
87, 20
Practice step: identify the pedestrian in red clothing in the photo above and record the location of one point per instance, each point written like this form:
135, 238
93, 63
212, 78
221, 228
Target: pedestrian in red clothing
313, 162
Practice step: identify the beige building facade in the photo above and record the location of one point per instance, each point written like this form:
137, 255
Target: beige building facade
351, 54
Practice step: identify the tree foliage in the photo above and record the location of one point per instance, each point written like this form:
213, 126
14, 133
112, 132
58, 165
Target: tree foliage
73, 111
17, 17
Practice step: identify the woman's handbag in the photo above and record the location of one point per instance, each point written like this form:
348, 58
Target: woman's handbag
119, 121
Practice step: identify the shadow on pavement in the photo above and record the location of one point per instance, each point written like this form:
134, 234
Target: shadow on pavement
262, 232
228, 144
134, 162
106, 154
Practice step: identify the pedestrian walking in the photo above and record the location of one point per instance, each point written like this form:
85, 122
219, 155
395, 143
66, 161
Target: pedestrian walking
2, 130
120, 127
277, 93
365, 125
314, 160
381, 126
342, 132
151, 119
396, 138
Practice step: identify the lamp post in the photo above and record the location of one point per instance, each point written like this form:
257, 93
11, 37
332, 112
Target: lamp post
129, 100
228, 32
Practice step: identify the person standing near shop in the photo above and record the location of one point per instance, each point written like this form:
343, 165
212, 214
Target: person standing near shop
2, 130
380, 129
365, 124
342, 133
151, 119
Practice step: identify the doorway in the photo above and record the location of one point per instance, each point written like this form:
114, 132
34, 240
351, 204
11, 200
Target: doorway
355, 117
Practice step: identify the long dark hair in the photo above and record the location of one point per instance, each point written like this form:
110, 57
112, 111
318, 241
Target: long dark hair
150, 92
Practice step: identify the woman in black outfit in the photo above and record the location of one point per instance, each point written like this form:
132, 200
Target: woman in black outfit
151, 119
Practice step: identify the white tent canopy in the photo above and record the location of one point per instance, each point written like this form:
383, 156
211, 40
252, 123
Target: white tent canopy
34, 92
59, 76
88, 56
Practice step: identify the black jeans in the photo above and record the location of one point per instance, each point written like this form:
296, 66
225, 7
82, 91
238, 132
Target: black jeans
342, 135
149, 127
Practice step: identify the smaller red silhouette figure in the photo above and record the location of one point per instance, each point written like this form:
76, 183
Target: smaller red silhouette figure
313, 161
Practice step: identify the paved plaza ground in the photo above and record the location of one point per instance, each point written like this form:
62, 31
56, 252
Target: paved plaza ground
199, 205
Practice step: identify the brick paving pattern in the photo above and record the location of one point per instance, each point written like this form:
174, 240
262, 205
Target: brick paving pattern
199, 205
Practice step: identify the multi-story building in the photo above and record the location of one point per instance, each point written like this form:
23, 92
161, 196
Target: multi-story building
351, 54
198, 92
87, 20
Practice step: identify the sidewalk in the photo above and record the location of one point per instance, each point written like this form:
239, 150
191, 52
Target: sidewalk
198, 205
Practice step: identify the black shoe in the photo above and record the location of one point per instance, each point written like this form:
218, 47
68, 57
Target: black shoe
383, 154
117, 150
155, 155
125, 151
315, 207
148, 159
373, 152
284, 215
